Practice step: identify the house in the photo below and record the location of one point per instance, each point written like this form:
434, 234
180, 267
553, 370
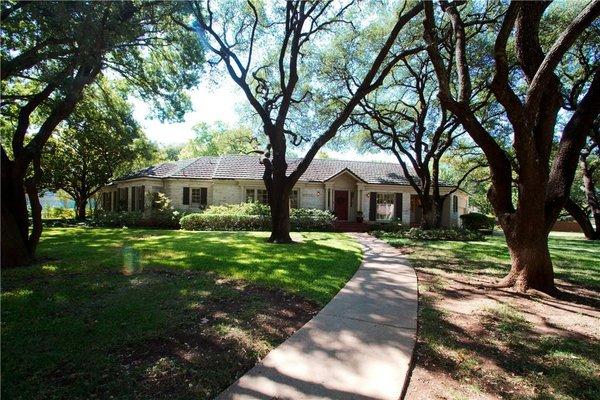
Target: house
348, 188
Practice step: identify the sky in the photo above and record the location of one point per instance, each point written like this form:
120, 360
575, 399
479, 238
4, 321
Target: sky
218, 102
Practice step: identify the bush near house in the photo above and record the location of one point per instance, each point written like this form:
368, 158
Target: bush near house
155, 219
478, 222
452, 234
249, 217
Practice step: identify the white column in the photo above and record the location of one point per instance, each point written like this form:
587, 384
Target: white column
406, 208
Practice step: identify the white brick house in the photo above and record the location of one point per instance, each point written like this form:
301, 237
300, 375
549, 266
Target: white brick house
378, 190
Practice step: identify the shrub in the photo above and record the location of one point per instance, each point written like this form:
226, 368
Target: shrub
235, 218
311, 219
240, 209
58, 213
393, 225
155, 219
477, 221
453, 234
224, 222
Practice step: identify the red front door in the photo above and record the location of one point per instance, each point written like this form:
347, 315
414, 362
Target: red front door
341, 205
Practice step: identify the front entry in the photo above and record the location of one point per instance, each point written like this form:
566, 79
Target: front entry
341, 204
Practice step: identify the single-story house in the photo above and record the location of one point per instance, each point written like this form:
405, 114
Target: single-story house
347, 188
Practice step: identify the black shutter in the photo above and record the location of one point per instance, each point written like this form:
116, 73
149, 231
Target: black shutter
114, 200
186, 195
203, 197
398, 207
373, 206
142, 198
125, 198
133, 198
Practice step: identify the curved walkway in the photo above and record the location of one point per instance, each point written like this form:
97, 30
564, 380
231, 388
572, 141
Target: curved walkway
359, 346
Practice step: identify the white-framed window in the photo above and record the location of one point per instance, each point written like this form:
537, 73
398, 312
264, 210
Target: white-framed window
250, 196
294, 199
385, 206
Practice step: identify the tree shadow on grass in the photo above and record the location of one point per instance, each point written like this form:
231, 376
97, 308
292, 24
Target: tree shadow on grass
553, 365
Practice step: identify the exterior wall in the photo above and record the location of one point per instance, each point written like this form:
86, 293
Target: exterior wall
173, 188
150, 186
310, 194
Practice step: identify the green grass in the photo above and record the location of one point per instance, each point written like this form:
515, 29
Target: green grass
561, 365
66, 320
575, 259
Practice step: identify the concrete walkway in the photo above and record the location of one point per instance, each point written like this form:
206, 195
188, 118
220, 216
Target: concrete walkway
358, 347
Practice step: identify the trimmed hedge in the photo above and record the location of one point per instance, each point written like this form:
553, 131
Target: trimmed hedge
452, 234
300, 220
476, 221
156, 219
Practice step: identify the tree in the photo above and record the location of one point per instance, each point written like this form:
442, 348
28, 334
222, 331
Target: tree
580, 207
99, 140
51, 52
217, 140
528, 90
404, 118
271, 51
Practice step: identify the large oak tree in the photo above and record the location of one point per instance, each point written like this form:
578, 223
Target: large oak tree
272, 51
525, 85
51, 51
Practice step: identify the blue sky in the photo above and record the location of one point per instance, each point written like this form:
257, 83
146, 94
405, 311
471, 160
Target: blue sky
217, 102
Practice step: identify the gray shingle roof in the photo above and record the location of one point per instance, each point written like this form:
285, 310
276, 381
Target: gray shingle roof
249, 167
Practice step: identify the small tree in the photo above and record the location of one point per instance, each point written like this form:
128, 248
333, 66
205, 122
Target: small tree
217, 140
529, 92
270, 50
99, 139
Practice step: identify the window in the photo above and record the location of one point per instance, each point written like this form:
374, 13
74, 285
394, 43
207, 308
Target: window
455, 204
141, 198
262, 196
196, 196
106, 201
133, 193
294, 199
122, 204
250, 198
385, 206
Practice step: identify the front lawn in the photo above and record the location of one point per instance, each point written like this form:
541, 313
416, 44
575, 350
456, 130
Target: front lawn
132, 313
476, 342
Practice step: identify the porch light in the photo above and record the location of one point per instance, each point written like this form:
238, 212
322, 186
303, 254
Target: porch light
318, 192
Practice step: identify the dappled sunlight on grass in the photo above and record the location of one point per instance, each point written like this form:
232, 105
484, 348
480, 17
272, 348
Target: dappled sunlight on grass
575, 259
97, 290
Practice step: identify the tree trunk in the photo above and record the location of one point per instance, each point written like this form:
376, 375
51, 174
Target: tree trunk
583, 220
81, 205
432, 213
15, 220
280, 215
530, 257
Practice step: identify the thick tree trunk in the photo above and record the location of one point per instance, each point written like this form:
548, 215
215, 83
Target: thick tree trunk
583, 220
432, 213
531, 266
280, 215
81, 205
15, 220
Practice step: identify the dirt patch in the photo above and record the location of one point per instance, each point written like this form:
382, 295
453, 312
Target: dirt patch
221, 340
476, 342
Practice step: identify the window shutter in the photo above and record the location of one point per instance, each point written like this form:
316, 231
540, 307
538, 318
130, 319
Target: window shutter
373, 206
186, 195
143, 198
133, 198
398, 207
203, 197
114, 200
